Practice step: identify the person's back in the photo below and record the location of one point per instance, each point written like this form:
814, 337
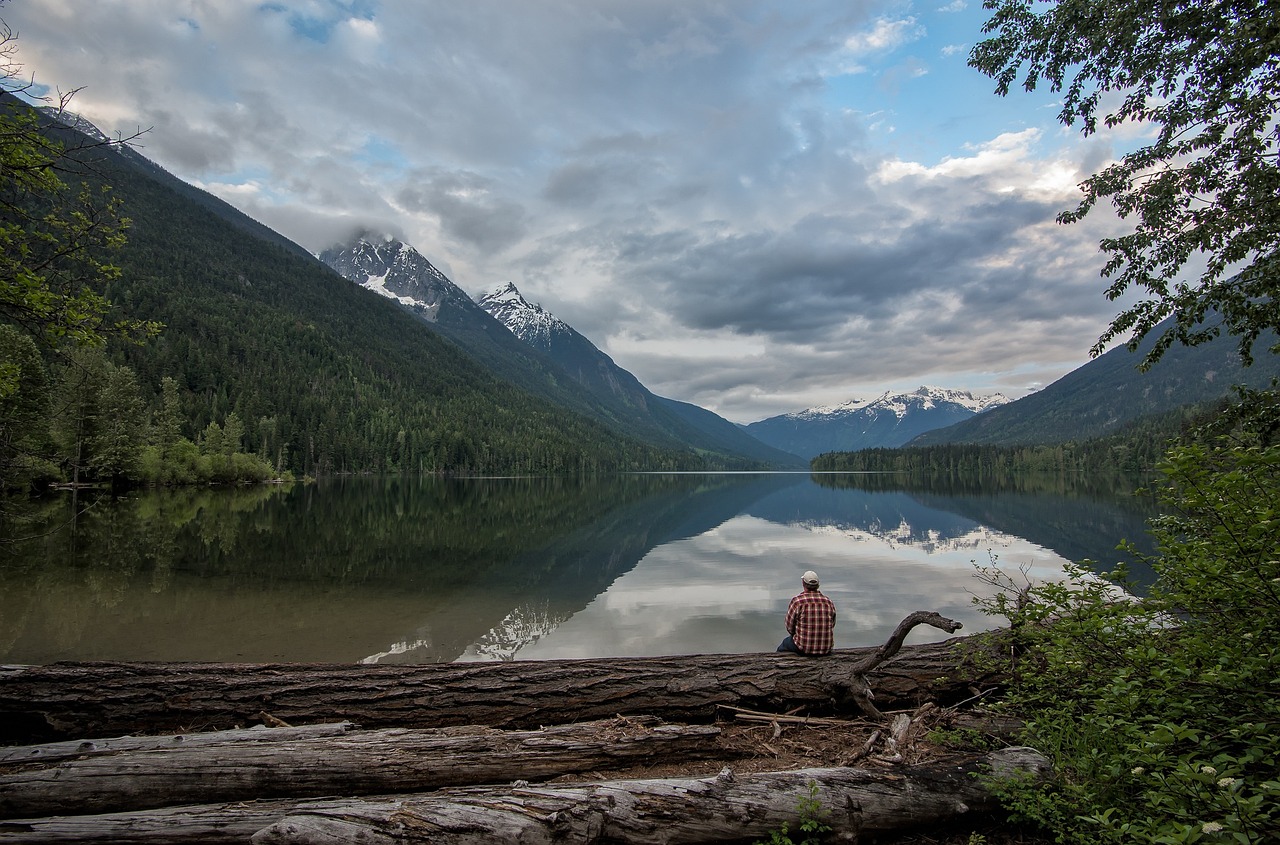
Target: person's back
811, 620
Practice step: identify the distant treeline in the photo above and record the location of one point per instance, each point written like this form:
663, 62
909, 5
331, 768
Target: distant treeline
1137, 448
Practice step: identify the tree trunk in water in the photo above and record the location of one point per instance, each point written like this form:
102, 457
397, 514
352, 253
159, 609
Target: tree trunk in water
673, 810
71, 700
270, 763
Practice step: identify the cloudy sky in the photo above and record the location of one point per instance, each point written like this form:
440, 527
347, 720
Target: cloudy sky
757, 206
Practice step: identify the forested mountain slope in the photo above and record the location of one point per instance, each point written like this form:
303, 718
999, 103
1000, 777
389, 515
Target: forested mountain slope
619, 389
325, 376
1099, 397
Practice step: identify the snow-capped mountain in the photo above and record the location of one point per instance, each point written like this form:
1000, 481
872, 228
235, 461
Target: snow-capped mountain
529, 347
547, 333
598, 373
526, 320
74, 121
398, 271
889, 420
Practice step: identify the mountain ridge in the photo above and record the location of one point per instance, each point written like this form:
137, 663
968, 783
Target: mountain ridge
325, 378
887, 421
560, 364
597, 371
1099, 397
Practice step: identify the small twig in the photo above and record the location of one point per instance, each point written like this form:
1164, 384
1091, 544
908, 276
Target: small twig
271, 721
796, 720
981, 694
758, 716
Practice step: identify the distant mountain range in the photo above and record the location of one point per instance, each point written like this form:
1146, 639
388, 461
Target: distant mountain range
888, 421
1099, 397
527, 345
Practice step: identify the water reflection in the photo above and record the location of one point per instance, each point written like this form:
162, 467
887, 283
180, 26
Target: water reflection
427, 570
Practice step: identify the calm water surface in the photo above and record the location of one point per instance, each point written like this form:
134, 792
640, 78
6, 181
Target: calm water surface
419, 570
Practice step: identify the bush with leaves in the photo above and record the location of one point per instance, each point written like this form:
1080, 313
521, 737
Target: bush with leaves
1162, 715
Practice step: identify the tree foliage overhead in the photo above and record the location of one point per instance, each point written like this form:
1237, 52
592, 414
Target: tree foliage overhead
1204, 193
55, 240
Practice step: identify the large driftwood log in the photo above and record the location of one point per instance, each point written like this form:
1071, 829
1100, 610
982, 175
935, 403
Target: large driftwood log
74, 700
204, 824
74, 749
725, 808
720, 809
356, 763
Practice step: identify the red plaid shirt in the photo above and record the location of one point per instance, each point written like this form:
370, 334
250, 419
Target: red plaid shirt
811, 620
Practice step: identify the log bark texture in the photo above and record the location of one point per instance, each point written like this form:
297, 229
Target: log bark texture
720, 809
78, 700
205, 824
271, 763
667, 811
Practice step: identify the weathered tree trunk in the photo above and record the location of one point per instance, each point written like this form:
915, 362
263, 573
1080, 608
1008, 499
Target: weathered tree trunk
719, 809
74, 749
354, 763
205, 824
73, 700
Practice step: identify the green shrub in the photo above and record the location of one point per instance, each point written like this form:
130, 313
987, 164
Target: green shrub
1162, 716
810, 823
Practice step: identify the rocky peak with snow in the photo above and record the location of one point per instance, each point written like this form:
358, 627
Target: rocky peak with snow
526, 320
80, 124
890, 420
397, 271
901, 404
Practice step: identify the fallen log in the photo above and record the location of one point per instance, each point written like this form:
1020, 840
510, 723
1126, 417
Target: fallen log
85, 700
721, 809
725, 808
205, 824
74, 749
222, 767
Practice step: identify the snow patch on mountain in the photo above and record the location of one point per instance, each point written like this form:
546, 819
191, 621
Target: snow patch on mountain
900, 404
83, 126
397, 271
890, 420
526, 320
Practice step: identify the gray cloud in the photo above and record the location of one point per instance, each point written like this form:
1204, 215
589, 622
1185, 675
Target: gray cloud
679, 180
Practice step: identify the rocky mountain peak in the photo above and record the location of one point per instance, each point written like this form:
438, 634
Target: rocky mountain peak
526, 320
395, 270
889, 420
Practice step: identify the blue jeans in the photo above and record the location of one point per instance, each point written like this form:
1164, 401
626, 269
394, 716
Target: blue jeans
789, 645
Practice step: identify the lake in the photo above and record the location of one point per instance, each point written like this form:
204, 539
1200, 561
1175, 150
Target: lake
426, 569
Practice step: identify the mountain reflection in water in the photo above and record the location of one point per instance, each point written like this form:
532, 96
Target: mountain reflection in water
424, 569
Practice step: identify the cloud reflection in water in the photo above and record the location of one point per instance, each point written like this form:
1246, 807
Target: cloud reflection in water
726, 590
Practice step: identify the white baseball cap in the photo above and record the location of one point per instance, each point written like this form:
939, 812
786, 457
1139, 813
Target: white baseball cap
809, 577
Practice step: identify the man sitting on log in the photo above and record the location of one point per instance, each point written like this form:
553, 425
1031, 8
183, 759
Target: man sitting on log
811, 620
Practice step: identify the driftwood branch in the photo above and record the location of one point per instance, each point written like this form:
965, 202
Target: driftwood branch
860, 690
894, 644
